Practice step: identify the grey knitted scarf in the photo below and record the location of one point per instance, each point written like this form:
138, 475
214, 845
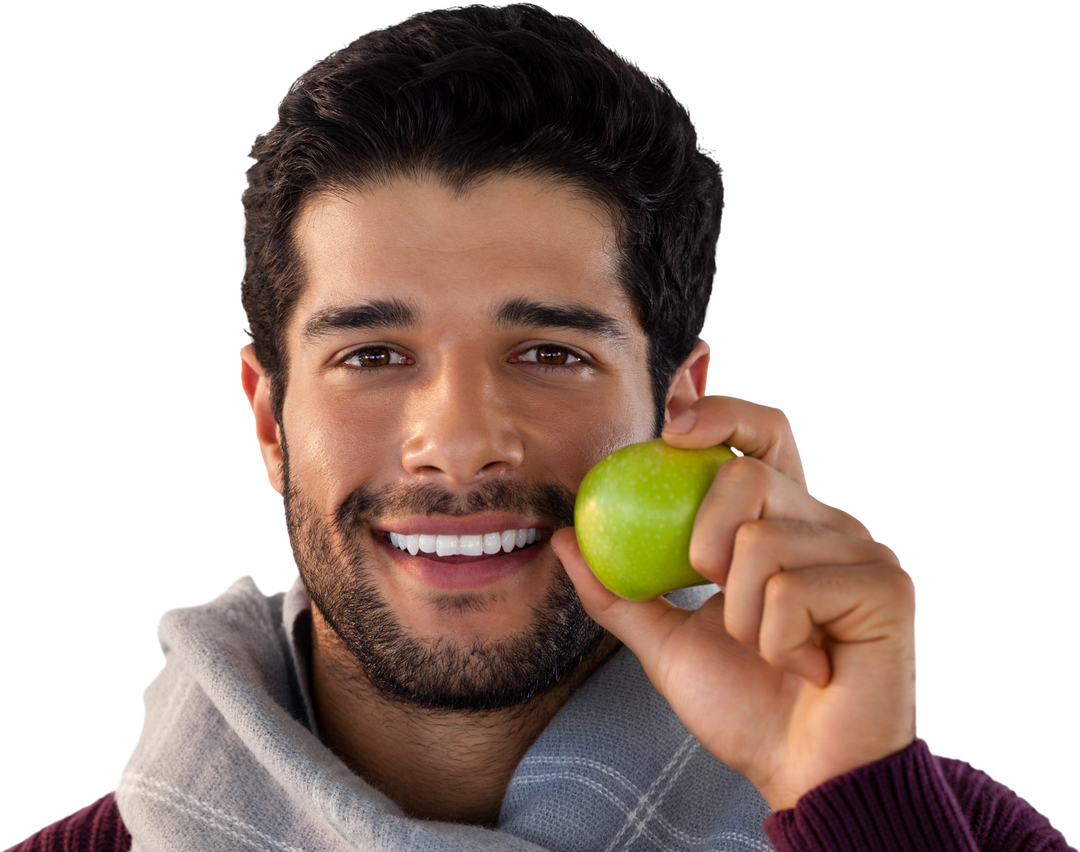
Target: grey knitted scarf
228, 759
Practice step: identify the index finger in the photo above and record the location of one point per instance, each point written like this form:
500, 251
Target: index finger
755, 430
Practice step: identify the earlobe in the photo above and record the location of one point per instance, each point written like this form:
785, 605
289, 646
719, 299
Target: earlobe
257, 389
688, 386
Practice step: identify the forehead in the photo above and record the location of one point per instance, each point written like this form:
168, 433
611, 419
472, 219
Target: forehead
423, 242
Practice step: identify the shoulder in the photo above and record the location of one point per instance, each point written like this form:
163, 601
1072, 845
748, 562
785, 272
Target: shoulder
96, 828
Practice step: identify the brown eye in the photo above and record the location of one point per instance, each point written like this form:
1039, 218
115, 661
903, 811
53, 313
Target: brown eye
376, 356
549, 355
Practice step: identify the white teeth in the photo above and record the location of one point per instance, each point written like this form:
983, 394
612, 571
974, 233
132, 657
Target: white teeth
464, 545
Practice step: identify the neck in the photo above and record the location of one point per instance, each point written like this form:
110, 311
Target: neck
446, 765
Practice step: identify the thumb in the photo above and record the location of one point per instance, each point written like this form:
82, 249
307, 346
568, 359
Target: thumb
643, 626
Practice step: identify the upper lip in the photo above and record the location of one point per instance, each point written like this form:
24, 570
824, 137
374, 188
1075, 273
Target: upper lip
478, 524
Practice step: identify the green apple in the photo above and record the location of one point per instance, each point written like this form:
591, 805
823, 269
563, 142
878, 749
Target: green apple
634, 514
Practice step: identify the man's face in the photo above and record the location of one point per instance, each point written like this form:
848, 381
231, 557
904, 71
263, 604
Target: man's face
457, 362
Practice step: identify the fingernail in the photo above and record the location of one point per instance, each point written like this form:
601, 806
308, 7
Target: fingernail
683, 423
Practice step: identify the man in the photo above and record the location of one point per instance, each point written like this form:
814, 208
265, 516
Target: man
480, 248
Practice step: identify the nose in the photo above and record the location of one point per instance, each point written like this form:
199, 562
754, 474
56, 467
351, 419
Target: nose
461, 429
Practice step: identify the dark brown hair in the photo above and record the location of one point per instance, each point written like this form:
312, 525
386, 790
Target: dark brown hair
465, 93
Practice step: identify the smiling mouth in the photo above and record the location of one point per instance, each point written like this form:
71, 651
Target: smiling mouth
459, 557
462, 571
486, 544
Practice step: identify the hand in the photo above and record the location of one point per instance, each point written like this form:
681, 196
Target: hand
804, 667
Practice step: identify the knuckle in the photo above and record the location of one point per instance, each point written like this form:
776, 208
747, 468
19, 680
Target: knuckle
902, 586
894, 588
705, 555
852, 526
740, 470
888, 556
780, 421
751, 536
783, 427
780, 589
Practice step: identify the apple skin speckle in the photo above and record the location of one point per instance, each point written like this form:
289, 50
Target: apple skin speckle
635, 512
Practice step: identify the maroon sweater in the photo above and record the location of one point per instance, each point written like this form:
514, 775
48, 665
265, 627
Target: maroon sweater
909, 801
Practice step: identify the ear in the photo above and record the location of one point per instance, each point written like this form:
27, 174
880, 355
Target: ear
688, 386
257, 387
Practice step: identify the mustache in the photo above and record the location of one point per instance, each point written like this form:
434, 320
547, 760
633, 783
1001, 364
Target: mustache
551, 502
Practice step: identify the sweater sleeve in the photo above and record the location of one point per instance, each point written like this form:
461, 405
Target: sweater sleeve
96, 828
913, 800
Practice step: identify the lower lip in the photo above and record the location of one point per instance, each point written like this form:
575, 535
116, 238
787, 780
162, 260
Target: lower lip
461, 575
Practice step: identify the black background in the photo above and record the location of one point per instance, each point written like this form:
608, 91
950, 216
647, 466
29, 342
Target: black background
852, 296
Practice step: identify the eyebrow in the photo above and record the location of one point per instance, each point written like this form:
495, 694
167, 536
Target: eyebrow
514, 313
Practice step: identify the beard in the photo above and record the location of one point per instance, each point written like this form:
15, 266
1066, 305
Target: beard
336, 566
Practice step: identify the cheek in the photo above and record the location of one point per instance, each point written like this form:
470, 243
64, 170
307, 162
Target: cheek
338, 445
626, 416
606, 437
574, 438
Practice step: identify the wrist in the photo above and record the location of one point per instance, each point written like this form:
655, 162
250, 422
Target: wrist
783, 791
